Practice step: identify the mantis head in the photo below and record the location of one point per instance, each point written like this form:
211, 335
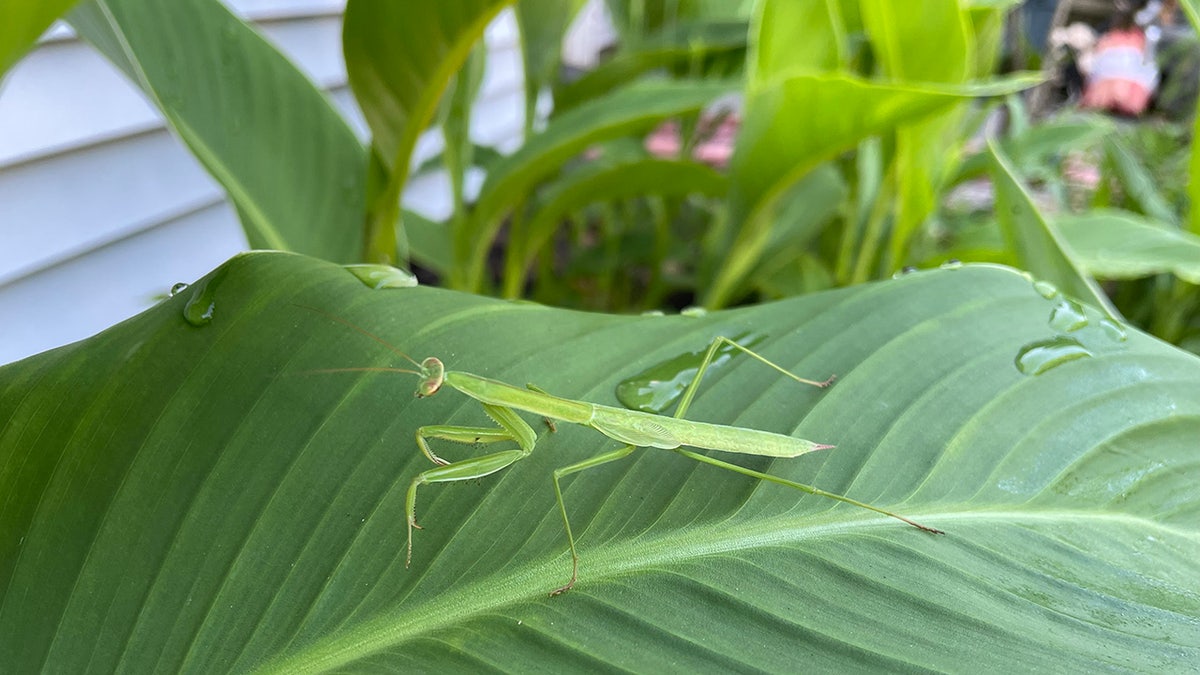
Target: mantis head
433, 373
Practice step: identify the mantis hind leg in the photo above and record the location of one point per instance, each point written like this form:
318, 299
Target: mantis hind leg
800, 486
603, 458
512, 427
690, 393
614, 455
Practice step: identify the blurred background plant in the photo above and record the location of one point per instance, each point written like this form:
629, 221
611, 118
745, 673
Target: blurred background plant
720, 154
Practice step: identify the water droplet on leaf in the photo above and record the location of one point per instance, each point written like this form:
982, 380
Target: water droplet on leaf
654, 389
1067, 316
382, 276
1038, 357
1045, 289
1113, 330
201, 307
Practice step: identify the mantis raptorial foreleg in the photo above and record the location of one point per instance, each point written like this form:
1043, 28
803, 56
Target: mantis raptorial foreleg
512, 428
471, 435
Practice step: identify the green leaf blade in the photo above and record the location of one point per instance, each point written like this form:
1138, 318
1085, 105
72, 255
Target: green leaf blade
22, 23
288, 161
1115, 244
1036, 243
510, 180
195, 498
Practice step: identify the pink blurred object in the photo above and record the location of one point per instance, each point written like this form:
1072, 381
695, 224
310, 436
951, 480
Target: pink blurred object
1122, 76
715, 150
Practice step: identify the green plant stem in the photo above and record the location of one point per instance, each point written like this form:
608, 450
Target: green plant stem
867, 260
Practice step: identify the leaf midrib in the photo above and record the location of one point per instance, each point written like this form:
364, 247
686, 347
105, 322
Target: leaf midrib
489, 594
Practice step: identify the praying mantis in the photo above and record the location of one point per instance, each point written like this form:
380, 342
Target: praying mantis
632, 428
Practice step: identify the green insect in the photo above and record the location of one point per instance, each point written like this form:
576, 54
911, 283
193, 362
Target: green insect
633, 428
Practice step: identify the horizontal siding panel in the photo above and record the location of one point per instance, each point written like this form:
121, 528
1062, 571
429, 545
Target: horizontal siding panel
70, 301
57, 207
64, 96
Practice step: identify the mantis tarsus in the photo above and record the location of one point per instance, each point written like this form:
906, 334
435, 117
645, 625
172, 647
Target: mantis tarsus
633, 428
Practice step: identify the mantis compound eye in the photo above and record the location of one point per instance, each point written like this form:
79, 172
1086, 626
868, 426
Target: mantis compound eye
434, 373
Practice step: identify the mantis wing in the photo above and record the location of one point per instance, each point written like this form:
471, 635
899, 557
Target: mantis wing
635, 429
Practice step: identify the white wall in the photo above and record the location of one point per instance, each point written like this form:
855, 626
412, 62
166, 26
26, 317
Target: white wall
102, 209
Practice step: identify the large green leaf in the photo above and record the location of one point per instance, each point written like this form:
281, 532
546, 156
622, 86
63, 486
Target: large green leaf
182, 497
289, 162
543, 23
678, 46
1035, 241
988, 19
22, 22
795, 37
924, 148
1113, 244
400, 57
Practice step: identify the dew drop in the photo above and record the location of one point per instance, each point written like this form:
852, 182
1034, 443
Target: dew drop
382, 276
654, 389
1067, 316
178, 288
1113, 330
1045, 289
1038, 357
693, 311
952, 264
201, 307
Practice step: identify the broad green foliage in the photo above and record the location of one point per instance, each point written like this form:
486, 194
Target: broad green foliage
289, 163
400, 57
193, 498
802, 36
1116, 245
543, 23
676, 48
1034, 241
779, 146
514, 178
21, 23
